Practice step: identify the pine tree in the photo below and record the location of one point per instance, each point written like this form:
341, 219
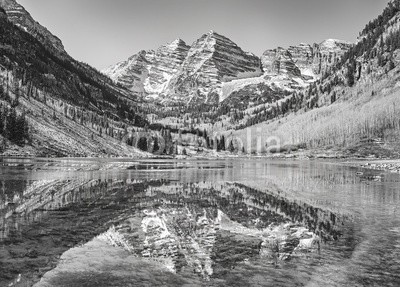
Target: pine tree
19, 130
205, 136
222, 143
350, 76
231, 148
333, 97
2, 119
156, 146
391, 64
179, 136
142, 144
11, 121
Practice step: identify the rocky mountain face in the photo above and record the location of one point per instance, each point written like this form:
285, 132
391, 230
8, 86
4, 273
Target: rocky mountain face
212, 60
286, 71
20, 17
165, 63
132, 72
179, 72
304, 60
149, 72
280, 61
214, 67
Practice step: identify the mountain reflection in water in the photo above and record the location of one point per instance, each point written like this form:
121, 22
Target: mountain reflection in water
206, 227
211, 227
196, 223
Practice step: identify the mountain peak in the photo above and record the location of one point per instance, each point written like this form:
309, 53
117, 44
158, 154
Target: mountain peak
177, 43
214, 36
333, 45
332, 42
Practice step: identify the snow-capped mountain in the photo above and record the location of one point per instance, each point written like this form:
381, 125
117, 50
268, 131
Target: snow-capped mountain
304, 60
212, 60
285, 71
149, 72
177, 71
214, 67
132, 72
165, 63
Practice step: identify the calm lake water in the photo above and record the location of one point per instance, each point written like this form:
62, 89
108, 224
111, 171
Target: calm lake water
231, 222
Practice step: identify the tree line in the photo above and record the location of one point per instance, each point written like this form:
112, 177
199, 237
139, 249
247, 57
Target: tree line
13, 125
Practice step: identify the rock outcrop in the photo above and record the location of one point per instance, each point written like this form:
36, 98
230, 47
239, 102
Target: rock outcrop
327, 53
304, 60
302, 56
280, 61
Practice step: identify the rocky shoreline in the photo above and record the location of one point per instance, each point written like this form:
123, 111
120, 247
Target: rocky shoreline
392, 166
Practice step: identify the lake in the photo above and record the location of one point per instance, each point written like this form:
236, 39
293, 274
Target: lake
222, 222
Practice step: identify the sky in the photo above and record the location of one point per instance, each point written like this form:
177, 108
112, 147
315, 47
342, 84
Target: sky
104, 32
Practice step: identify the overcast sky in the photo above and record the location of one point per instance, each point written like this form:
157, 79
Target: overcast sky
103, 32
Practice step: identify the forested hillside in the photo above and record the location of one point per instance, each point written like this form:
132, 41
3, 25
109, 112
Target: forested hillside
353, 108
52, 105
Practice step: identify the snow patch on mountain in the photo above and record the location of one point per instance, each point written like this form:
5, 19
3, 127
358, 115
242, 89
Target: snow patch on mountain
228, 88
333, 45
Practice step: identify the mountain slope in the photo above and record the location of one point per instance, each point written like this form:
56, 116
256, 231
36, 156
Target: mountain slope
149, 72
71, 109
131, 73
353, 109
20, 17
166, 62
